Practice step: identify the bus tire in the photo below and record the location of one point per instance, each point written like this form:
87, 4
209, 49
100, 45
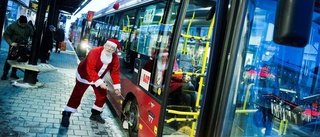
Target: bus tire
134, 115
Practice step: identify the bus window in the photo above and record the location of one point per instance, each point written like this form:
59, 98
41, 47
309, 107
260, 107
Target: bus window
114, 28
96, 32
277, 88
142, 34
126, 22
148, 27
105, 30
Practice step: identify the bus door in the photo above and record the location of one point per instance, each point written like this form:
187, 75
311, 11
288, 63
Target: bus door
189, 46
265, 78
127, 36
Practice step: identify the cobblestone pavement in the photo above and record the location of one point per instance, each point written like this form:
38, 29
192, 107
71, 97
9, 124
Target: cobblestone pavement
36, 112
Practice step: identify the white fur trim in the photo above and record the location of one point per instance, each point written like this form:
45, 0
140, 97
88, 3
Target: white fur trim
116, 86
98, 82
105, 59
163, 54
81, 79
70, 109
97, 108
103, 68
112, 44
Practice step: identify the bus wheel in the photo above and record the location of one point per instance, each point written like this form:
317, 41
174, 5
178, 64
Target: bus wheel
133, 118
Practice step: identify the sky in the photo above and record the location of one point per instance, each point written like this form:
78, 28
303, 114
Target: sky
95, 5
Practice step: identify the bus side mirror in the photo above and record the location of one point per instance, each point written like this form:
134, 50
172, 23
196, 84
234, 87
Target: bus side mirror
293, 22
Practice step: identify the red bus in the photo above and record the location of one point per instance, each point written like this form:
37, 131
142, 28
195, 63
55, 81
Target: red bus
147, 31
215, 68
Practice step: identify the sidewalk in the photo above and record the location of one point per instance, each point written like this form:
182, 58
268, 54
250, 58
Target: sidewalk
36, 112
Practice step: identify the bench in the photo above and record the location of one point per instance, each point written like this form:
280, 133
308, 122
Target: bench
32, 82
37, 68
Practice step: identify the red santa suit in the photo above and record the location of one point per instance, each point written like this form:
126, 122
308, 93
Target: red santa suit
90, 72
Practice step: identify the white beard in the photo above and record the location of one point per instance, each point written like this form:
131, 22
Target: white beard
107, 52
161, 66
105, 58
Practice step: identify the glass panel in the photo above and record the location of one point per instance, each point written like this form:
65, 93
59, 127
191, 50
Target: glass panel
96, 32
185, 92
126, 24
148, 26
278, 92
139, 30
114, 28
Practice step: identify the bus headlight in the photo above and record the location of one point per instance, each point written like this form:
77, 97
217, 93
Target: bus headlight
84, 45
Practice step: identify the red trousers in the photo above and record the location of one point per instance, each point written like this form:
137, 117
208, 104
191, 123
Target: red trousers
78, 91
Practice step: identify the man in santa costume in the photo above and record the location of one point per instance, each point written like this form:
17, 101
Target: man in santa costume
90, 72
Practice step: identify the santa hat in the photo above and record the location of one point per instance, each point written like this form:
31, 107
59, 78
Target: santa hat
164, 52
114, 43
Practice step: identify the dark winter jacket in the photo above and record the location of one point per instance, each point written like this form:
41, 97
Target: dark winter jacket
60, 35
16, 33
47, 43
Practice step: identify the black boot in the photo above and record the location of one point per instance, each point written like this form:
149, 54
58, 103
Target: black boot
65, 118
14, 73
95, 116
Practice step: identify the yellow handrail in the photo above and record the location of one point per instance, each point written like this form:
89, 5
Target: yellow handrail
202, 72
195, 37
247, 96
189, 73
182, 112
283, 128
128, 25
159, 23
184, 51
179, 119
246, 111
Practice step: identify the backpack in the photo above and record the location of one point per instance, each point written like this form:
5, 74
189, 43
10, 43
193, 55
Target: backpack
19, 53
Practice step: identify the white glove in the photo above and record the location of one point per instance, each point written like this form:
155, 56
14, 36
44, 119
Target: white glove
14, 44
103, 86
118, 92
